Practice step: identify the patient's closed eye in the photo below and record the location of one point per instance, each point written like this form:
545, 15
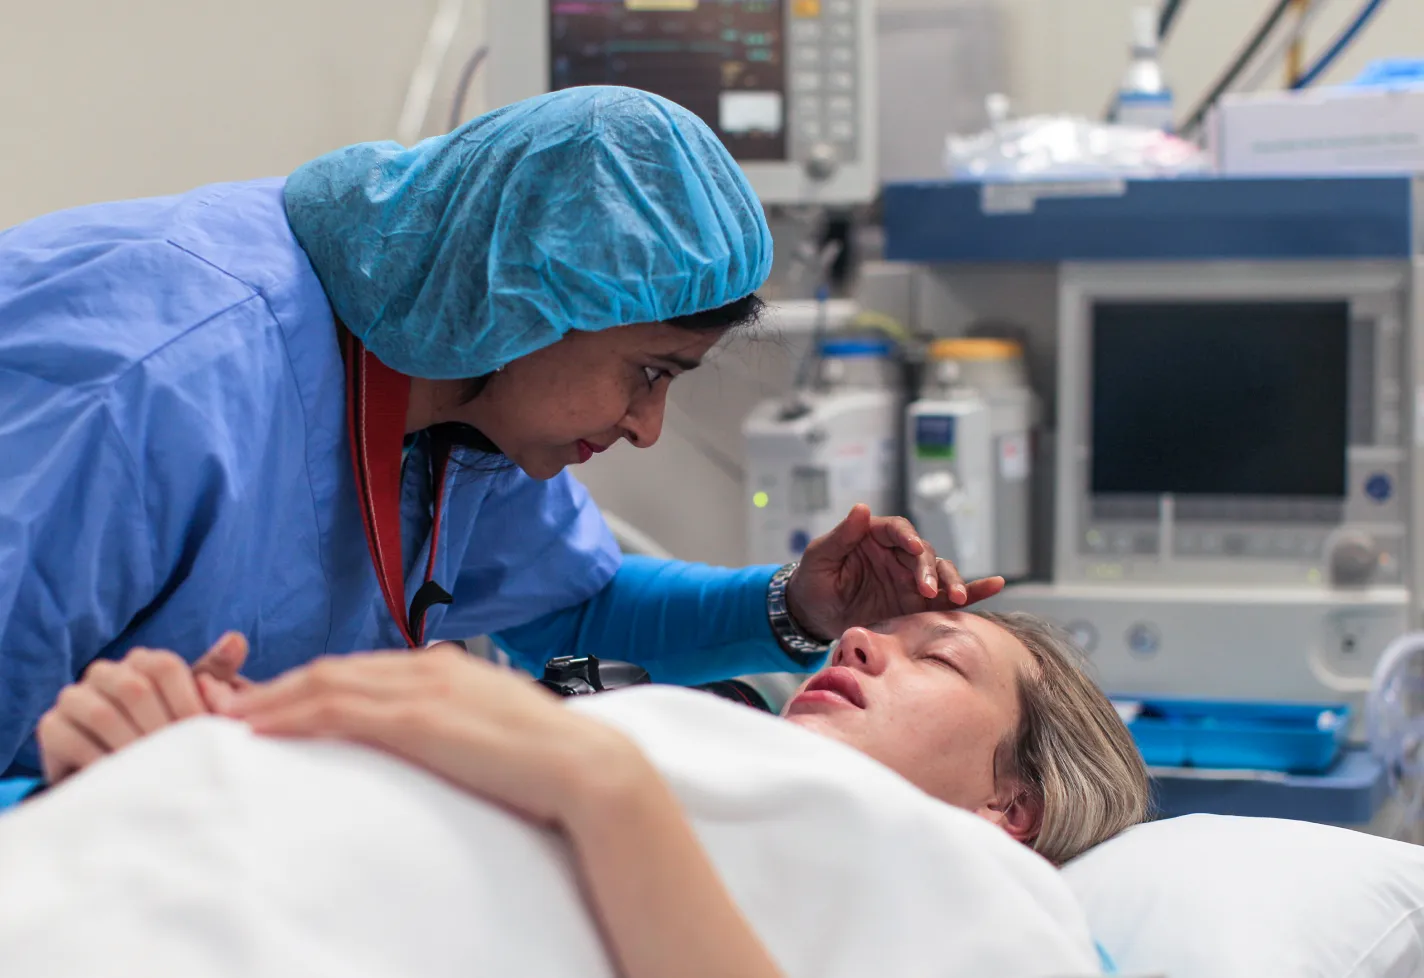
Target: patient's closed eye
944, 659
955, 647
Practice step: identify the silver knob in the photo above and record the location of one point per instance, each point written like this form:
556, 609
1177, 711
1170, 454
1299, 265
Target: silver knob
1353, 560
822, 163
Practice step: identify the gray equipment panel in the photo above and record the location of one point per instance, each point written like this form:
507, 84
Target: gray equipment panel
1350, 535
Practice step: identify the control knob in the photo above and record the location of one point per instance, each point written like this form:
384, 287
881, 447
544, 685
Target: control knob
1353, 560
822, 162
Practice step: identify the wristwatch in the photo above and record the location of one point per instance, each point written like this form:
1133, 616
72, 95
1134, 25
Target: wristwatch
793, 640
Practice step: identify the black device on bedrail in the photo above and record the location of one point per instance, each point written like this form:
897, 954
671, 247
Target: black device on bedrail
583, 675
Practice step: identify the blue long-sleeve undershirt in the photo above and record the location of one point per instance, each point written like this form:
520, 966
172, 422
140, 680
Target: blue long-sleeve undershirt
684, 623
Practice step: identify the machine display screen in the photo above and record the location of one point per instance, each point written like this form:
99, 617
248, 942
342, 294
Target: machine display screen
723, 59
1211, 398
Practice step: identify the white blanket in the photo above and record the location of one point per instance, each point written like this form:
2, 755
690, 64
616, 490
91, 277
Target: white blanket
206, 851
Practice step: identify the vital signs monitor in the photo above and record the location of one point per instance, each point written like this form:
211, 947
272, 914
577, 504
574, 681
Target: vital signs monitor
787, 85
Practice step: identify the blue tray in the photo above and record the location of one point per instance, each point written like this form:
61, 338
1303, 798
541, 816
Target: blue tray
1303, 738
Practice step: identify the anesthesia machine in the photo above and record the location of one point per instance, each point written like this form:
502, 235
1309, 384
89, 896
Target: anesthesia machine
1234, 372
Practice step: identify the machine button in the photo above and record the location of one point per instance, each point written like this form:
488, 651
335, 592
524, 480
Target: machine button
842, 130
1094, 541
840, 106
822, 162
1353, 560
810, 129
1210, 543
806, 56
841, 81
843, 33
806, 8
1379, 487
1142, 639
1084, 635
840, 8
1186, 544
841, 57
1234, 544
806, 30
806, 81
799, 541
1388, 426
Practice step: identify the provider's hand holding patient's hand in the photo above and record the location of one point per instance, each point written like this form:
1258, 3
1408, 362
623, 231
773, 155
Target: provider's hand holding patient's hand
872, 568
116, 703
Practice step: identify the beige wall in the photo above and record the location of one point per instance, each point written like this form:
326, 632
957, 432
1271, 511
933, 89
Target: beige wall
115, 98
102, 98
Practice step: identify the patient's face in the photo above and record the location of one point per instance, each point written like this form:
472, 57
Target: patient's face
931, 696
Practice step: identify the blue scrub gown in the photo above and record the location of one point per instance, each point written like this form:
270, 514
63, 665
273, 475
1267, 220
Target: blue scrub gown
174, 464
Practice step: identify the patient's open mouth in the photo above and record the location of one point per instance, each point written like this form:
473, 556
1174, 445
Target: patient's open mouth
837, 686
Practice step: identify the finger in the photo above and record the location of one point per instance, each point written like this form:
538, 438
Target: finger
225, 659
910, 571
846, 536
173, 678
899, 536
64, 748
983, 589
341, 715
97, 716
897, 532
217, 695
374, 675
952, 582
131, 692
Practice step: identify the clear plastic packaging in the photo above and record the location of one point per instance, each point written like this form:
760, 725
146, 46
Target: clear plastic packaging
1060, 147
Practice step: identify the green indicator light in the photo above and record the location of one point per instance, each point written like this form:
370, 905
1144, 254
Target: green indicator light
761, 500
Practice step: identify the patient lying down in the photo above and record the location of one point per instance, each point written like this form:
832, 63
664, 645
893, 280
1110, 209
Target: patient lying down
649, 832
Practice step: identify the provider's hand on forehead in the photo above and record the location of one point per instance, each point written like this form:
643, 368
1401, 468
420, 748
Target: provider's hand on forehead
873, 568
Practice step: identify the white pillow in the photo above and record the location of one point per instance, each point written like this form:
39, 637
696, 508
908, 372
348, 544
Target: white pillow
1216, 896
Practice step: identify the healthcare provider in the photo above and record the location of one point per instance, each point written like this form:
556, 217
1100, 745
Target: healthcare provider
332, 412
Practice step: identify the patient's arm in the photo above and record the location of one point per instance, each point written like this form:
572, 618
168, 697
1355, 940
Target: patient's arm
660, 902
663, 909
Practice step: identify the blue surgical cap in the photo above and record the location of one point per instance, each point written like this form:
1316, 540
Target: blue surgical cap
582, 209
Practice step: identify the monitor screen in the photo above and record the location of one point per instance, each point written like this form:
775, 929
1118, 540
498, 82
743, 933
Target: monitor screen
1216, 398
723, 59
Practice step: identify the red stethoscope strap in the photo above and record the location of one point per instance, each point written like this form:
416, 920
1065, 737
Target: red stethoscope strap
377, 399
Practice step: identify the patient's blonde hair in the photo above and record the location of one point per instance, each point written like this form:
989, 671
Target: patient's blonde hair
1071, 750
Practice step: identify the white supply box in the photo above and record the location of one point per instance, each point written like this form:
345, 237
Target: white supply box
1325, 131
